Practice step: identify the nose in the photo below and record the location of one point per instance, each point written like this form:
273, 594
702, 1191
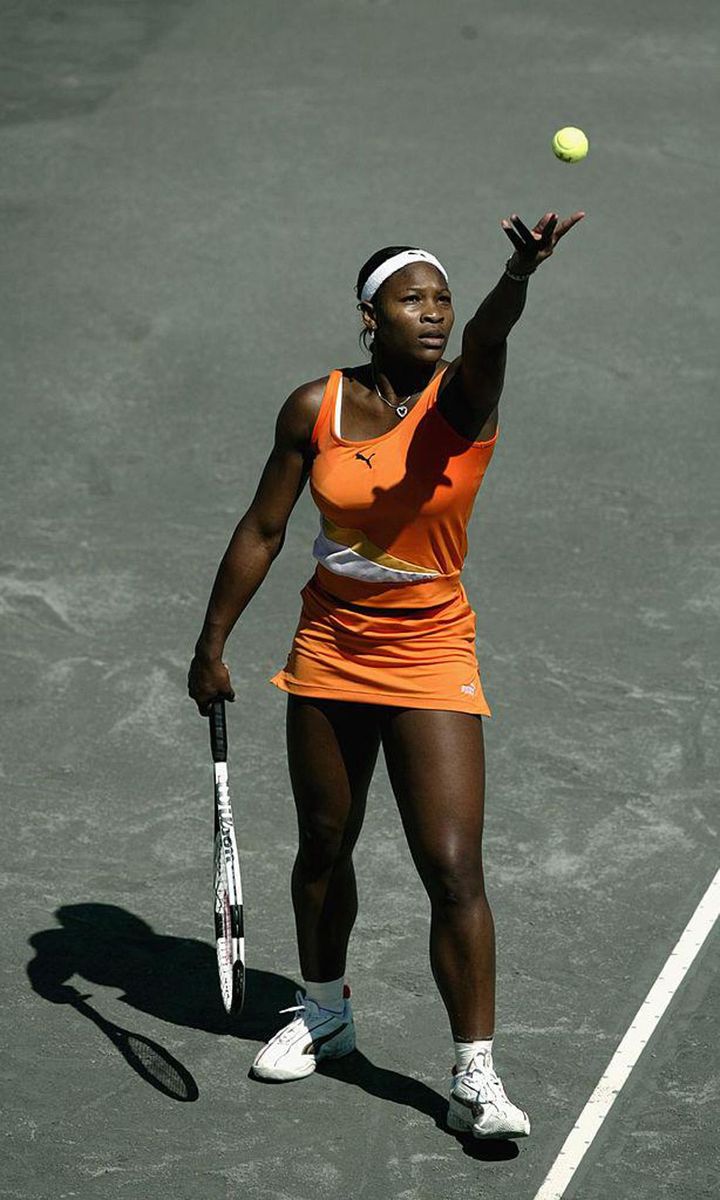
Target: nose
433, 316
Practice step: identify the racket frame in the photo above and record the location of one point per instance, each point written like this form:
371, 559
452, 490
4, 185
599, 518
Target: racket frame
229, 942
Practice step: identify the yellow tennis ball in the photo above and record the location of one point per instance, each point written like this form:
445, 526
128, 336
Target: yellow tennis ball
570, 144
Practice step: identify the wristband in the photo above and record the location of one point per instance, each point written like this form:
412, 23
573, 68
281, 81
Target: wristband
518, 278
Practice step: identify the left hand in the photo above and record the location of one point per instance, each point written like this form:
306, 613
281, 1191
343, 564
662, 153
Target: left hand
533, 246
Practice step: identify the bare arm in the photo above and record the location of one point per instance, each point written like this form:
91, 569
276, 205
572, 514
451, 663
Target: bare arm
256, 541
475, 380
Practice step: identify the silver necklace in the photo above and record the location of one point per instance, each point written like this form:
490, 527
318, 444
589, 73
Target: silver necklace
400, 410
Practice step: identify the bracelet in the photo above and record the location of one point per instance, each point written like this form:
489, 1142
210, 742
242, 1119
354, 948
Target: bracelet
518, 278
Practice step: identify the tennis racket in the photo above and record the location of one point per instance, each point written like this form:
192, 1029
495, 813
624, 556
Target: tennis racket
227, 887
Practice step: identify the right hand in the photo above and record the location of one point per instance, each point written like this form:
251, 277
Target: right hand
208, 680
533, 246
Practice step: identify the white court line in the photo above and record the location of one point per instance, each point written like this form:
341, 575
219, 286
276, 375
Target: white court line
631, 1047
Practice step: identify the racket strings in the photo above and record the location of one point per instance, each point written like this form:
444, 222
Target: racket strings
224, 908
159, 1068
229, 930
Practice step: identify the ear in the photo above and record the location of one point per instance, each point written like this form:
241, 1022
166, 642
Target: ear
369, 315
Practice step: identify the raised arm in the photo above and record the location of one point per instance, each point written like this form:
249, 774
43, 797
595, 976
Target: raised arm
470, 398
256, 542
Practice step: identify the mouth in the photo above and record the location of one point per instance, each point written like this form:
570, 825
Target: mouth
432, 339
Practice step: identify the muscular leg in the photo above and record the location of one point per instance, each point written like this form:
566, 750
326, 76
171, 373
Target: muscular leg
436, 763
332, 750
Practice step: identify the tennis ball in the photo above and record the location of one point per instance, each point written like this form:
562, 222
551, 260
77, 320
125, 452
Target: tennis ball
570, 144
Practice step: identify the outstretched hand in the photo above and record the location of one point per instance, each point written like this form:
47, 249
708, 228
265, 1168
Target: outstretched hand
533, 246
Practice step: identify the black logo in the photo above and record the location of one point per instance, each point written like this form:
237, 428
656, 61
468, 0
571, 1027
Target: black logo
364, 459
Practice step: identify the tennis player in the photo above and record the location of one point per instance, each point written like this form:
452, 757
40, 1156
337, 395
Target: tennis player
384, 655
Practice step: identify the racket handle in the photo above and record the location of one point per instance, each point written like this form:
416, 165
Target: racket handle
218, 731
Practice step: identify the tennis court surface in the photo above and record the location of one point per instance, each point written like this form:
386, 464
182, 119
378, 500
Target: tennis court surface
188, 192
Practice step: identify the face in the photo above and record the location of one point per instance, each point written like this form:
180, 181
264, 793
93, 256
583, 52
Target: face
412, 313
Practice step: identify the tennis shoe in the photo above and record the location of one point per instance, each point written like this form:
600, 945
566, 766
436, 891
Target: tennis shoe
479, 1105
315, 1033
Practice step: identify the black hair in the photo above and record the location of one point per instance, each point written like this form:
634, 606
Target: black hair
375, 260
380, 256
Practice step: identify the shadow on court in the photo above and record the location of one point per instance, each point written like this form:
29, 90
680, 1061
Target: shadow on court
357, 1070
175, 979
172, 978
151, 1061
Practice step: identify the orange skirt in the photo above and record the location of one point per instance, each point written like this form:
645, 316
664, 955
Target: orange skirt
414, 661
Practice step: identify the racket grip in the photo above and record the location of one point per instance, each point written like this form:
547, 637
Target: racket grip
218, 731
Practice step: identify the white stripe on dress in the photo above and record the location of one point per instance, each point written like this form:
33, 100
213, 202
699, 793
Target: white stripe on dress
342, 560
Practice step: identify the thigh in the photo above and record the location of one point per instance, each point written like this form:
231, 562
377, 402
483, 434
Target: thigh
436, 764
332, 751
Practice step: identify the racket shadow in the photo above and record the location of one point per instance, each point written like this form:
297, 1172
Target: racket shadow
151, 1061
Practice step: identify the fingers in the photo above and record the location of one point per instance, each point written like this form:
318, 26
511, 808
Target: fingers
520, 235
567, 224
228, 694
514, 238
546, 233
206, 687
524, 239
523, 230
546, 227
205, 706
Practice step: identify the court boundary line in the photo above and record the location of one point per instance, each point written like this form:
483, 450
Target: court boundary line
637, 1036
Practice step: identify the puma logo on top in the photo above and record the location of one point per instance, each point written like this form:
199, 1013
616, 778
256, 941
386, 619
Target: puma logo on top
364, 459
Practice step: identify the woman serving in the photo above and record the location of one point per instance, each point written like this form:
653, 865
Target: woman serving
384, 652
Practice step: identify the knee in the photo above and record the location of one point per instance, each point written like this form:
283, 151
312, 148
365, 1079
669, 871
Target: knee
322, 845
456, 883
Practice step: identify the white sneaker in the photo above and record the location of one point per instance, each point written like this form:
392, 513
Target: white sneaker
478, 1103
316, 1033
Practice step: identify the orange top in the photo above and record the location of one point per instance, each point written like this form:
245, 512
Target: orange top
395, 508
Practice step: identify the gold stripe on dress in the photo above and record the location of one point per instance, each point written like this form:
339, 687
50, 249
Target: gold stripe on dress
355, 540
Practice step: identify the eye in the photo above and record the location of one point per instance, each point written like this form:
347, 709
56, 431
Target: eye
411, 296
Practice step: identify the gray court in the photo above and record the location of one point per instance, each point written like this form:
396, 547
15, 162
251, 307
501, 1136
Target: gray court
188, 191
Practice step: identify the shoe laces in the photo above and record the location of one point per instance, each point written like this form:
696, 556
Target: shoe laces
302, 1007
487, 1083
307, 1009
302, 1004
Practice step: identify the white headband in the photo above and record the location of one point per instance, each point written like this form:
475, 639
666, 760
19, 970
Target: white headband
396, 263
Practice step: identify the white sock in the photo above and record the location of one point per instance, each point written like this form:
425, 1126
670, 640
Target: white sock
327, 995
465, 1052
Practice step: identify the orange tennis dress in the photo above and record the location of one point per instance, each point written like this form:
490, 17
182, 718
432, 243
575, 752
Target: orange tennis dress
385, 618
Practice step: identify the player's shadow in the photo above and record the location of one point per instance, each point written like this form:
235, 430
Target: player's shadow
358, 1070
175, 979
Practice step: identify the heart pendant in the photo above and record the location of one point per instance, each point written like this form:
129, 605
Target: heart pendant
401, 410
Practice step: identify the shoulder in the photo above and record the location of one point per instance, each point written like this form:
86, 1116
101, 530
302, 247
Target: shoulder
473, 413
297, 417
